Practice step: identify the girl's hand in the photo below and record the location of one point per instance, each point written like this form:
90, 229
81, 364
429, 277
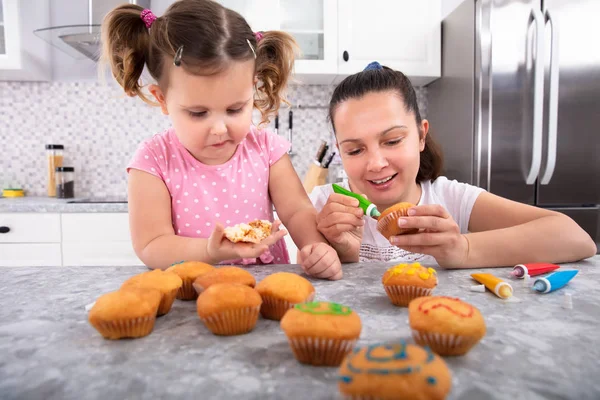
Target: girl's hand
219, 248
341, 222
321, 260
439, 236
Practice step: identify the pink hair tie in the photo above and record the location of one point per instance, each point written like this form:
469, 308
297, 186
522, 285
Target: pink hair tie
258, 36
148, 17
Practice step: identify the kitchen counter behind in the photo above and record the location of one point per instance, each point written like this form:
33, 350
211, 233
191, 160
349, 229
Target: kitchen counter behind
534, 348
53, 205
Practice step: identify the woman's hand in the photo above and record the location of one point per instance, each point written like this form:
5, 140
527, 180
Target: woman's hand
439, 236
321, 261
341, 222
219, 248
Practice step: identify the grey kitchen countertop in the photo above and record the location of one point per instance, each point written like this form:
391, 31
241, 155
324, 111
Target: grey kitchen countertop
54, 205
534, 348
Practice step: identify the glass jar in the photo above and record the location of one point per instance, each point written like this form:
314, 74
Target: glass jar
65, 182
54, 156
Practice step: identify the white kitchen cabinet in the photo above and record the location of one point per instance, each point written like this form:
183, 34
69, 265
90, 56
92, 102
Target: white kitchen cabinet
402, 34
30, 239
90, 239
29, 228
24, 56
313, 23
30, 255
340, 37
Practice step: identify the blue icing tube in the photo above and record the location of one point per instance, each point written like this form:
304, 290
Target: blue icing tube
554, 281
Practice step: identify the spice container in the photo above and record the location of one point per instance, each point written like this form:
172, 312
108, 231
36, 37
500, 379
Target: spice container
65, 182
54, 155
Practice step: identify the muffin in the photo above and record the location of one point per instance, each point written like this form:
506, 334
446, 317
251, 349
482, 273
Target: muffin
405, 282
229, 308
281, 291
125, 313
252, 232
450, 326
228, 274
387, 223
321, 333
188, 271
167, 283
394, 371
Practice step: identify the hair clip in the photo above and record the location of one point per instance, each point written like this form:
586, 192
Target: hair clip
373, 65
177, 58
251, 48
258, 36
148, 17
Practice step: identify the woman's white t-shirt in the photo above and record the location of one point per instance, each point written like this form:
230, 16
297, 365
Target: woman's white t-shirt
456, 197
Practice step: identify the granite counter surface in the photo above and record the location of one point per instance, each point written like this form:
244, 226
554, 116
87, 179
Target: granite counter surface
534, 347
53, 205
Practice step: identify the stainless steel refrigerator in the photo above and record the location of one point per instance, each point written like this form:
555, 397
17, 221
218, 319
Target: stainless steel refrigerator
517, 110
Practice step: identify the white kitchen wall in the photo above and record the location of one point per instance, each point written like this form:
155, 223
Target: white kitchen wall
101, 128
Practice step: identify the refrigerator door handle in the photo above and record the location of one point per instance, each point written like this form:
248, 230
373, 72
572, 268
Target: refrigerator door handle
538, 96
553, 101
483, 94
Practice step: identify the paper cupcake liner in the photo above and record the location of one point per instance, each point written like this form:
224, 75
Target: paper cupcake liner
402, 295
445, 344
321, 351
187, 291
274, 308
232, 322
388, 225
127, 328
166, 302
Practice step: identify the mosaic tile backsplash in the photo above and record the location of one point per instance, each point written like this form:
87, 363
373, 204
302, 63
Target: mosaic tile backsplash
101, 128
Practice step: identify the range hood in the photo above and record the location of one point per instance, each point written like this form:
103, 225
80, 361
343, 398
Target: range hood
83, 40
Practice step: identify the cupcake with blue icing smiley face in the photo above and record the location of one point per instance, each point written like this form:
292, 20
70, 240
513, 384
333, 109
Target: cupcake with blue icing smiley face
394, 371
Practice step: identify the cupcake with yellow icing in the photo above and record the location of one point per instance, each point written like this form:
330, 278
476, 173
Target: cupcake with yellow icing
125, 313
449, 326
189, 271
394, 371
405, 282
167, 283
321, 333
281, 291
229, 308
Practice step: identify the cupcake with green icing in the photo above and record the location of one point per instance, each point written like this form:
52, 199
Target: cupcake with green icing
321, 333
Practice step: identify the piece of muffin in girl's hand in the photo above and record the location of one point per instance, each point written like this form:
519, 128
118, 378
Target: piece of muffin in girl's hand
252, 232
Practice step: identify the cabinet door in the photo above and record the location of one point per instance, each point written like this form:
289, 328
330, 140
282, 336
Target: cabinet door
97, 239
10, 45
23, 55
30, 255
261, 15
402, 34
313, 23
29, 228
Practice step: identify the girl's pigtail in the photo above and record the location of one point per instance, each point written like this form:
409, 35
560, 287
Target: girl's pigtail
275, 55
125, 47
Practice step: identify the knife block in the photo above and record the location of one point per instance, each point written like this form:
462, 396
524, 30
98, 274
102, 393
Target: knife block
315, 176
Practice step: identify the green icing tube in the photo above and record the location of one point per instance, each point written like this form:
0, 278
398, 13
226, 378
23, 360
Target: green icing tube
369, 208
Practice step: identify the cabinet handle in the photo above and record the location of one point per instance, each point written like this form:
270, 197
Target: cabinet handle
4, 229
345, 56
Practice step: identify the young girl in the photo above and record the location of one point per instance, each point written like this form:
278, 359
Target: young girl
212, 168
389, 157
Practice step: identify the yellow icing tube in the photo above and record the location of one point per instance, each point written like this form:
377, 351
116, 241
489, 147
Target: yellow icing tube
494, 284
